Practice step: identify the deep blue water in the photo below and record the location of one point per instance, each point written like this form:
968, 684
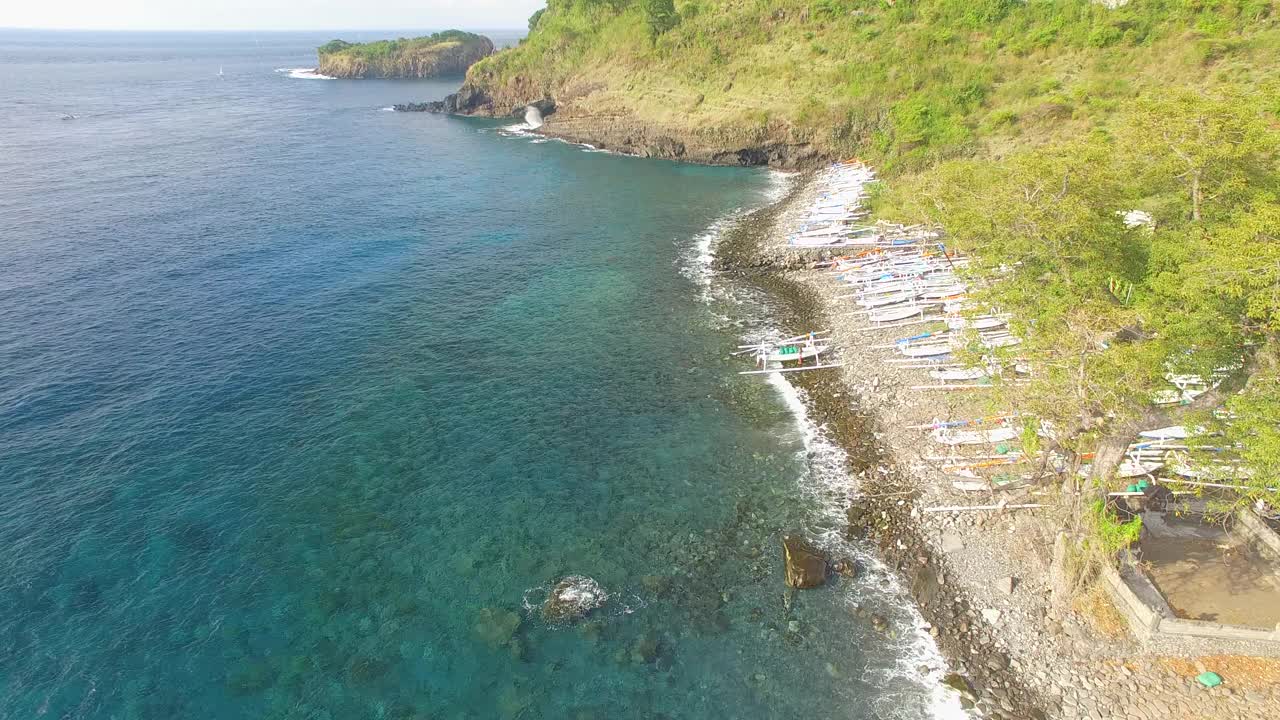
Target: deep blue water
303, 401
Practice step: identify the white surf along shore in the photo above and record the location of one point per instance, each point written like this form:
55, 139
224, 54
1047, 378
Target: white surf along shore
826, 485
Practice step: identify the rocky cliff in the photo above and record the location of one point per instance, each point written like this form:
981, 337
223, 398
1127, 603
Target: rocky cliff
451, 52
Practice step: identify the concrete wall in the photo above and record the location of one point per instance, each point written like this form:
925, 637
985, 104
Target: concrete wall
1142, 619
1150, 617
1252, 526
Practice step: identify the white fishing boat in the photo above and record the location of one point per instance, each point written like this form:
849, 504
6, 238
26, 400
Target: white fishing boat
1173, 432
948, 436
960, 374
989, 322
944, 291
1000, 341
920, 351
1134, 468
875, 301
796, 349
789, 353
895, 313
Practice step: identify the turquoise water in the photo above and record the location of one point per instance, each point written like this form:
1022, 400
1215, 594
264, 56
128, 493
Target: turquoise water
304, 404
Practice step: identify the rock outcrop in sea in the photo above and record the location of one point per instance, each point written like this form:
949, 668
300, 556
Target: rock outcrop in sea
572, 598
451, 52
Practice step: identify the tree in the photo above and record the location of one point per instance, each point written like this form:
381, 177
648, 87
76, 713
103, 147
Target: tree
534, 18
1254, 428
660, 16
1240, 261
1211, 144
1046, 243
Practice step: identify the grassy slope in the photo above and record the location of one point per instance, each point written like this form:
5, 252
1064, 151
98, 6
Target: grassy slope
903, 85
406, 57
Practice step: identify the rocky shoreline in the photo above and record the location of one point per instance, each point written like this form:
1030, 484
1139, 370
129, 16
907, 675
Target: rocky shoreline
981, 580
770, 146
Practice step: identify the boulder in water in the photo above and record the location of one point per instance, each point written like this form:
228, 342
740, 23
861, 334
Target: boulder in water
572, 598
806, 566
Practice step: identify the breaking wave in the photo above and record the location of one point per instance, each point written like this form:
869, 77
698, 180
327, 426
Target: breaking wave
826, 482
304, 74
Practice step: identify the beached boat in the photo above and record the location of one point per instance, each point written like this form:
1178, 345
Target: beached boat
947, 436
919, 351
895, 313
875, 301
979, 323
1134, 468
789, 353
959, 374
1173, 432
793, 349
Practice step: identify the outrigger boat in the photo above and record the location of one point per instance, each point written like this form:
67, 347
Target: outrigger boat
796, 349
787, 353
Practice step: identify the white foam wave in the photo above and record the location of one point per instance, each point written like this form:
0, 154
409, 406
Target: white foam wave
518, 130
304, 74
697, 261
780, 182
827, 482
525, 130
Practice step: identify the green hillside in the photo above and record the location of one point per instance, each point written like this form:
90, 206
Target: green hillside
902, 83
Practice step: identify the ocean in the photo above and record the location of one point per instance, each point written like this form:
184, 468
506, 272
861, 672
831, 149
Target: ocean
306, 404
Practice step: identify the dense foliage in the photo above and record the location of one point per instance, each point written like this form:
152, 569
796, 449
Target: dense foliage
1108, 309
447, 52
379, 49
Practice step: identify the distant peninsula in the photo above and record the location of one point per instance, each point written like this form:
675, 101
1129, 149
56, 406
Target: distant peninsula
450, 52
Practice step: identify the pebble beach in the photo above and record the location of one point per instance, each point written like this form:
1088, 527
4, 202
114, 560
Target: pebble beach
981, 579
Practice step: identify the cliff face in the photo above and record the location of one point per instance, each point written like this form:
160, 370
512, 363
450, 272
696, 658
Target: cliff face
778, 145
448, 53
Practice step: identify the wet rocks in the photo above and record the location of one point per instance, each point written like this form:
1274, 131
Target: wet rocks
806, 566
572, 598
961, 685
858, 522
879, 623
845, 567
495, 627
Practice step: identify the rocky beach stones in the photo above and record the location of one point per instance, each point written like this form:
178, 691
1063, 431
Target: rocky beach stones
806, 566
572, 598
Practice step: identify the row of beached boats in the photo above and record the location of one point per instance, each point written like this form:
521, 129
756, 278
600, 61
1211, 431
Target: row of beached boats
904, 277
835, 218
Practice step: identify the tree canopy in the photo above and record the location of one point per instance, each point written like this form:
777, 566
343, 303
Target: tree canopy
1106, 308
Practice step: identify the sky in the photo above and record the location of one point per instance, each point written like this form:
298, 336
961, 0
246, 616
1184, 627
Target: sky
266, 14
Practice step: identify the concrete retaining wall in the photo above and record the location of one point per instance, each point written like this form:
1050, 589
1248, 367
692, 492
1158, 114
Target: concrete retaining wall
1149, 615
1253, 526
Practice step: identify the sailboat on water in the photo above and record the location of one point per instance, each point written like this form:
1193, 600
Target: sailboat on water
220, 76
